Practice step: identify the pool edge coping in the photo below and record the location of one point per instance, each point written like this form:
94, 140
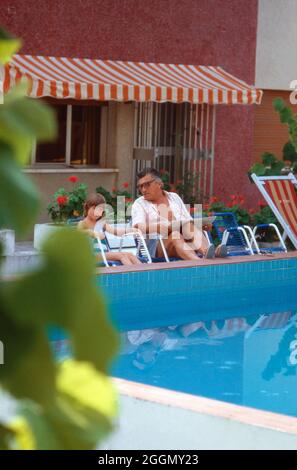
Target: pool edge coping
207, 406
193, 264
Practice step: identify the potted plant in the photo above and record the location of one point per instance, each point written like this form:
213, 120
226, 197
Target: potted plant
65, 204
68, 204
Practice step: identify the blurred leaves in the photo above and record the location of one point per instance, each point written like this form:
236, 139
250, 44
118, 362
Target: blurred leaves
82, 413
69, 405
8, 46
64, 294
85, 406
287, 117
78, 402
289, 152
278, 104
268, 158
258, 168
22, 120
18, 197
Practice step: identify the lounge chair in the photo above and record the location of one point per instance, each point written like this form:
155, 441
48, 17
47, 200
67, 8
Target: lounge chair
239, 239
138, 245
280, 194
130, 242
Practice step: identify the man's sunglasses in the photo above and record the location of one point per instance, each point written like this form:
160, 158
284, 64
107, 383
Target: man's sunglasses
145, 185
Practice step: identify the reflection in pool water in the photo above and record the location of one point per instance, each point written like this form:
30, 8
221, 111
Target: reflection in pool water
249, 360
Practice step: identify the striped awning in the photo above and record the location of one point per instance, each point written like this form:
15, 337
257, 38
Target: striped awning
105, 80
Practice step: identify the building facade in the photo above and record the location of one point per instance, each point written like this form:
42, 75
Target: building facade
203, 32
276, 69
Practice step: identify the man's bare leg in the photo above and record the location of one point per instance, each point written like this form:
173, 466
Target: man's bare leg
194, 238
177, 247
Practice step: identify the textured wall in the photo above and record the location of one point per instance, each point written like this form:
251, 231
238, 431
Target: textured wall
276, 58
213, 32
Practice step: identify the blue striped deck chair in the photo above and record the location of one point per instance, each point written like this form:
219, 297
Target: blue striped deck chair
240, 240
262, 230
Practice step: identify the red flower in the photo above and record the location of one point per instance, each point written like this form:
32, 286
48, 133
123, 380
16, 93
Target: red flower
213, 199
114, 189
252, 211
73, 179
62, 200
231, 204
262, 203
241, 200
125, 185
232, 197
129, 199
206, 207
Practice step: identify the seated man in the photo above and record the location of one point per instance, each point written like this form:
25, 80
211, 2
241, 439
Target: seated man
159, 211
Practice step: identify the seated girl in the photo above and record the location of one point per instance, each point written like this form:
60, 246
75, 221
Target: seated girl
94, 212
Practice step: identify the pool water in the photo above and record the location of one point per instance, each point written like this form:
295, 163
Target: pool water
245, 360
227, 332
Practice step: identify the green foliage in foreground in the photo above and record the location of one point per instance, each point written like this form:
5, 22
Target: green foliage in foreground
69, 405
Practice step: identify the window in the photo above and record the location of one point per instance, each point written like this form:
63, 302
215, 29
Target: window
85, 135
178, 138
78, 139
54, 152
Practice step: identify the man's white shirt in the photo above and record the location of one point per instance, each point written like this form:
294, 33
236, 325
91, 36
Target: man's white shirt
145, 212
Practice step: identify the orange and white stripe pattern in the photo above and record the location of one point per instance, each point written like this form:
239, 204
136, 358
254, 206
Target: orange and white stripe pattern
283, 194
106, 80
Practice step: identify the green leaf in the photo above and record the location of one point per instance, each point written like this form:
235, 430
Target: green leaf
17, 340
30, 117
83, 412
285, 115
34, 377
268, 158
258, 169
18, 196
8, 46
86, 406
276, 169
6, 434
16, 93
64, 293
289, 152
22, 120
278, 104
32, 430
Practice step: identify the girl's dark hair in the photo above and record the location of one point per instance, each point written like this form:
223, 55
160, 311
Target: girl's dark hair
93, 201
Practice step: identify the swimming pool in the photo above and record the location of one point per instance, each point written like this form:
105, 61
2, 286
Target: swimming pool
226, 332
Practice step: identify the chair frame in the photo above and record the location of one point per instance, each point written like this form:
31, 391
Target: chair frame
251, 247
260, 183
